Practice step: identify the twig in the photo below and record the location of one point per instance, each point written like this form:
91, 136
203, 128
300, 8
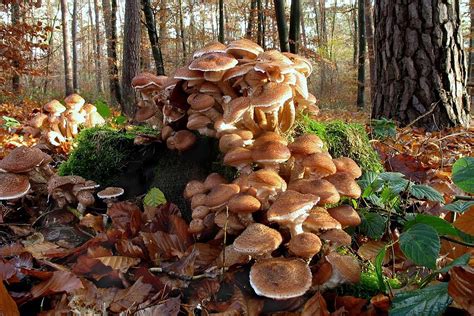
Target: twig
459, 242
433, 106
463, 198
183, 277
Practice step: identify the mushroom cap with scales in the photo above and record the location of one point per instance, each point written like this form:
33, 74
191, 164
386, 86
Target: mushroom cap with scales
23, 159
110, 193
13, 186
257, 240
280, 278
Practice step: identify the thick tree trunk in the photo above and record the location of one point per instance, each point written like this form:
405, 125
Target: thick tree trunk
131, 54
69, 89
153, 36
369, 35
15, 11
110, 20
281, 25
75, 81
361, 63
295, 21
221, 21
98, 66
253, 9
420, 65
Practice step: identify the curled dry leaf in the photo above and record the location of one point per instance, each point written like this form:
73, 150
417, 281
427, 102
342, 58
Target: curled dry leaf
7, 304
315, 306
381, 302
163, 245
461, 287
60, 281
370, 249
96, 222
353, 305
129, 297
127, 248
119, 262
126, 216
465, 222
98, 251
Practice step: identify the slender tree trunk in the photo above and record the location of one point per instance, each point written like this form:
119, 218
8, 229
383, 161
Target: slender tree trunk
153, 36
303, 30
221, 21
420, 64
97, 48
50, 50
264, 24
15, 12
69, 89
470, 82
181, 29
131, 54
295, 21
253, 9
110, 19
75, 82
361, 65
355, 41
259, 23
369, 35
281, 25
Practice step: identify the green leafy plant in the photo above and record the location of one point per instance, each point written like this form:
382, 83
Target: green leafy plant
154, 198
383, 128
463, 174
10, 123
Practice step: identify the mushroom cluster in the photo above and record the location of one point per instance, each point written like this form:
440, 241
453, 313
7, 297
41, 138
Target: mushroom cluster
20, 167
248, 98
58, 123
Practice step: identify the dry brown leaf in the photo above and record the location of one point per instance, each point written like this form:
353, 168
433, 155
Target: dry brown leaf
11, 250
126, 248
126, 216
8, 306
461, 287
98, 251
119, 262
163, 245
61, 281
170, 307
315, 306
132, 296
465, 222
353, 305
370, 249
94, 222
44, 250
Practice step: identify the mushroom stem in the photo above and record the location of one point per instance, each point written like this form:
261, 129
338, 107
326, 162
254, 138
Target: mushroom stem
295, 229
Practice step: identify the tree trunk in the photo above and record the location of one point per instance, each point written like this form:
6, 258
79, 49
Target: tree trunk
303, 30
361, 64
260, 37
356, 34
15, 11
470, 82
75, 82
221, 21
98, 66
181, 29
110, 20
369, 35
66, 50
420, 65
253, 9
131, 54
281, 25
153, 36
295, 21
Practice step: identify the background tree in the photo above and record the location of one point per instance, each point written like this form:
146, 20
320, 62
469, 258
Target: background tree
369, 35
361, 59
15, 12
131, 54
153, 36
281, 25
75, 80
295, 22
221, 21
110, 21
420, 65
97, 42
66, 49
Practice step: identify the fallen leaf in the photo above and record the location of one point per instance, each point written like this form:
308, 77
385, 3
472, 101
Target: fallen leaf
465, 222
170, 307
61, 281
315, 306
353, 305
94, 222
461, 287
126, 216
8, 306
370, 249
132, 296
119, 262
126, 247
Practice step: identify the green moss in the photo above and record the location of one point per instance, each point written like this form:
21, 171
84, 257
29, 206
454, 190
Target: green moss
101, 153
345, 139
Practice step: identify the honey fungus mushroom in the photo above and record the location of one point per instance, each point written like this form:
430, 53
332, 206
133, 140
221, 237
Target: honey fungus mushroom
280, 278
13, 186
110, 194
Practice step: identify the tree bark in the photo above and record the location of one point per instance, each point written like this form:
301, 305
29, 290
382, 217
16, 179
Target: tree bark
356, 34
470, 82
69, 89
75, 82
221, 21
295, 21
253, 9
281, 25
110, 20
420, 64
369, 35
15, 12
303, 30
361, 63
260, 37
131, 54
153, 36
98, 66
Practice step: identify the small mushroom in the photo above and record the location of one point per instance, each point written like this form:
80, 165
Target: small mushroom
13, 186
345, 269
110, 194
258, 240
305, 245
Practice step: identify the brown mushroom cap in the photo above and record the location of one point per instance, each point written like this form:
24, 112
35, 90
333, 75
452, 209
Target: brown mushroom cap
147, 82
213, 180
186, 74
290, 205
230, 220
346, 215
257, 239
221, 194
271, 94
320, 220
238, 157
228, 142
145, 113
269, 137
268, 179
110, 193
326, 191
198, 121
74, 101
201, 102
58, 181
198, 200
213, 47
231, 257
270, 153
347, 165
54, 106
305, 245
184, 140
244, 48
337, 237
306, 144
280, 278
320, 165
235, 109
347, 266
85, 198
193, 188
244, 203
345, 185
213, 62
37, 120
23, 159
13, 186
